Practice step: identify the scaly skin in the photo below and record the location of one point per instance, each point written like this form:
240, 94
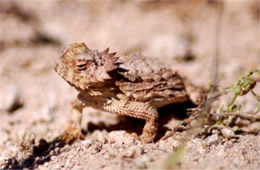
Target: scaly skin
132, 86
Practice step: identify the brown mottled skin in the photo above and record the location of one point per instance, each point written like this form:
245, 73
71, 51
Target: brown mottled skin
132, 86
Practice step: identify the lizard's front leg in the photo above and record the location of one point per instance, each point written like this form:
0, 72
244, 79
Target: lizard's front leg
73, 131
138, 110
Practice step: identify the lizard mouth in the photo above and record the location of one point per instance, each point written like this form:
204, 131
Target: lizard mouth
56, 66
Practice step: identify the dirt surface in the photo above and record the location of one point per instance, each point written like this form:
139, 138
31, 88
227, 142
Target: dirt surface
35, 101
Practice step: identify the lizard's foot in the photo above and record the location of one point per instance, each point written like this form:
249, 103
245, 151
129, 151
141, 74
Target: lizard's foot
132, 135
144, 138
71, 134
149, 132
137, 110
147, 138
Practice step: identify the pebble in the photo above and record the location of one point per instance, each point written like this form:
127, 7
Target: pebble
106, 156
120, 138
52, 152
57, 150
254, 127
37, 158
96, 147
175, 144
141, 162
68, 164
133, 152
211, 139
102, 138
53, 157
10, 99
242, 122
87, 143
227, 133
129, 154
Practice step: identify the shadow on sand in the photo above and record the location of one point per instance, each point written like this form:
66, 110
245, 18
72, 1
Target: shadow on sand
42, 152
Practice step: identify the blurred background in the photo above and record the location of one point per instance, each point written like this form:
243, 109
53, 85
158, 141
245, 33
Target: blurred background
183, 34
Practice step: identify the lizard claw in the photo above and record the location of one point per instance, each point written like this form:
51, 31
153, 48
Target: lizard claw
132, 135
146, 139
143, 138
71, 134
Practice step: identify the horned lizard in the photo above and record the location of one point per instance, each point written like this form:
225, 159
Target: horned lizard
132, 86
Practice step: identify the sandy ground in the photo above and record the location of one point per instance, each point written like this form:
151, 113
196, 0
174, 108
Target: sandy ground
35, 101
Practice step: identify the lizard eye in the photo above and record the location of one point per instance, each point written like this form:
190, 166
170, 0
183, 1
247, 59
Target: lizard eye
82, 65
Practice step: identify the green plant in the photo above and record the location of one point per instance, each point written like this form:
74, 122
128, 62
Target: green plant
241, 87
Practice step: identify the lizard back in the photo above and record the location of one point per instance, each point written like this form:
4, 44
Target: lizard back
148, 80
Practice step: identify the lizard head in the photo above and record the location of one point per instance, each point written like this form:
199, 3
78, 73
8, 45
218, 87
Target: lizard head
81, 67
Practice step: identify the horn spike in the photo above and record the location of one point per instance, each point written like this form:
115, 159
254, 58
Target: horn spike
112, 54
105, 51
116, 59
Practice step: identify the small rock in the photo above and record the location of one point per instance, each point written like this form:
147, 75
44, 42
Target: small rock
118, 137
46, 164
102, 138
79, 148
68, 164
106, 156
129, 154
242, 122
10, 98
53, 157
37, 158
229, 120
212, 139
2, 163
227, 133
142, 161
57, 150
52, 152
254, 127
133, 152
175, 144
96, 147
195, 123
66, 148
215, 131
28, 141
120, 149
87, 143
